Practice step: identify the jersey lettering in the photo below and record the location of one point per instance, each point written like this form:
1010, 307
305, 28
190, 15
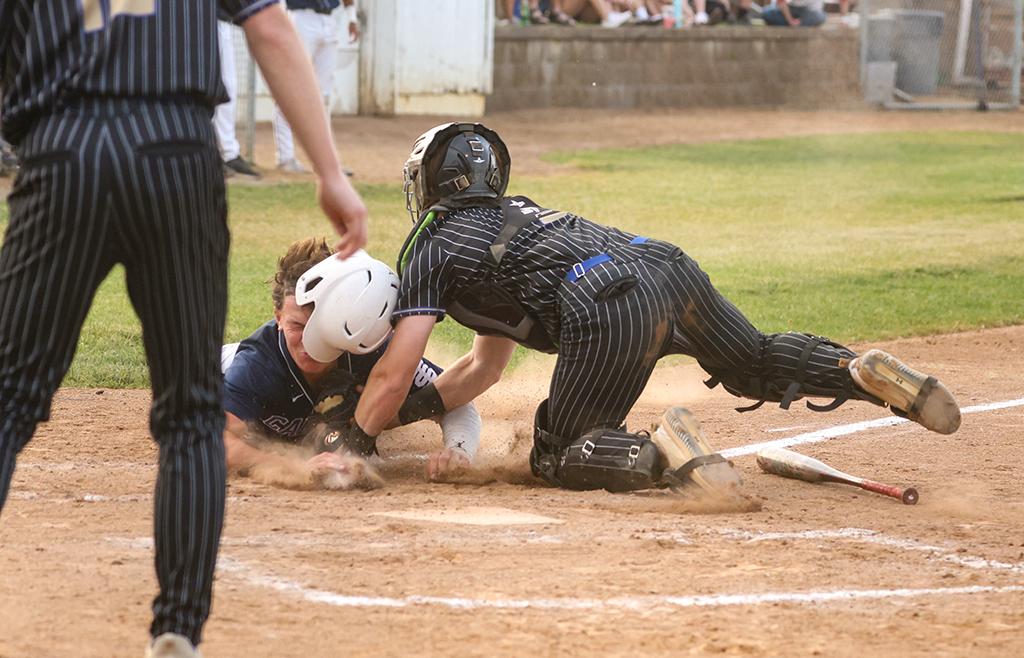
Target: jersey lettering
94, 19
285, 426
424, 375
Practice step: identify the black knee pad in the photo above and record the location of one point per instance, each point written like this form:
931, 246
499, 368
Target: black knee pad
611, 459
781, 373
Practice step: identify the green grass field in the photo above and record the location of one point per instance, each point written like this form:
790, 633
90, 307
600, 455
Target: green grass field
854, 237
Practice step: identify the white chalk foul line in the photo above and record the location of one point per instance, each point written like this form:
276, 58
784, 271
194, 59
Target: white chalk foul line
843, 430
283, 585
871, 537
257, 578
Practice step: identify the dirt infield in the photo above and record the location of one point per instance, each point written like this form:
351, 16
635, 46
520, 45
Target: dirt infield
376, 148
501, 565
512, 567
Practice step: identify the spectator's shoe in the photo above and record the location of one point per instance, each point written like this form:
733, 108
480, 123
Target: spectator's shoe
562, 18
909, 393
172, 645
537, 17
717, 15
850, 20
656, 19
348, 172
701, 18
616, 19
240, 166
292, 166
743, 19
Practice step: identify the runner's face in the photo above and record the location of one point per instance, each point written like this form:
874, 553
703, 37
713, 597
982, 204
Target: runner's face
291, 320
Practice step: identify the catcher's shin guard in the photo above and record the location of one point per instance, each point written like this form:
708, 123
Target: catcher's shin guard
920, 398
792, 366
689, 460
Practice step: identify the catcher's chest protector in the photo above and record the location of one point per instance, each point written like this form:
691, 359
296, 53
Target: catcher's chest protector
486, 307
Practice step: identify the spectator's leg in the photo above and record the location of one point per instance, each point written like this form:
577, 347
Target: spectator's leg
305, 25
810, 17
224, 116
588, 11
325, 58
772, 16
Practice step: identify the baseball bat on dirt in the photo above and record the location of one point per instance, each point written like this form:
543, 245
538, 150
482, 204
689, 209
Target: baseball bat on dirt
790, 464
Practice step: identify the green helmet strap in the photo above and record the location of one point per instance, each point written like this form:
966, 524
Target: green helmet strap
425, 220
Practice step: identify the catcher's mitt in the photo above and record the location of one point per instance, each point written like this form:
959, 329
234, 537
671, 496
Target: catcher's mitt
336, 404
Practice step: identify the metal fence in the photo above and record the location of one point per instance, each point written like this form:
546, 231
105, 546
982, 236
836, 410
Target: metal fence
942, 54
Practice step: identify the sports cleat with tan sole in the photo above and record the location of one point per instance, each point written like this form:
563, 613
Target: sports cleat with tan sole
923, 399
172, 645
688, 456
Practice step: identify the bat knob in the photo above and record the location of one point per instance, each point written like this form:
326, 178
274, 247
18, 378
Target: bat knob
909, 496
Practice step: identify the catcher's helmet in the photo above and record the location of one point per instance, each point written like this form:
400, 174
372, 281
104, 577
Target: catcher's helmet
455, 165
352, 304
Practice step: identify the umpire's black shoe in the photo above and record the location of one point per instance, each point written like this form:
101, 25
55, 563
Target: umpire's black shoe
240, 166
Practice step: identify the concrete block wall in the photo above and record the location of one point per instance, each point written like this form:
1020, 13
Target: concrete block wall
550, 66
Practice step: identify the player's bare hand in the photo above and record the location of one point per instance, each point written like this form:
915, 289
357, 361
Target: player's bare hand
326, 462
446, 462
346, 210
353, 32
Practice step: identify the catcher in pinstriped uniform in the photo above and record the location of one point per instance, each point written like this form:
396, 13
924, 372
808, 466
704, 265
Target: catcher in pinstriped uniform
610, 304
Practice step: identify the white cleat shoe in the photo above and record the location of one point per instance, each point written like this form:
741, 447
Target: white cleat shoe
172, 645
920, 398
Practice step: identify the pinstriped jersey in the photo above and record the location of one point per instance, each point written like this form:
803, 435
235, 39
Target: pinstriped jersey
56, 49
448, 257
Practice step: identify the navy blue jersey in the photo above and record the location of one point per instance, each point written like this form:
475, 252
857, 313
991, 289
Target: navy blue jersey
263, 386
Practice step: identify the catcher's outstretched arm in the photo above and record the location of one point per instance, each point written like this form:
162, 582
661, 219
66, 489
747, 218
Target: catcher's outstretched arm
476, 371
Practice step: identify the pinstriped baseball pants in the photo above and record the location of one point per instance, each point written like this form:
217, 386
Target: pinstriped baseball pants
139, 183
622, 316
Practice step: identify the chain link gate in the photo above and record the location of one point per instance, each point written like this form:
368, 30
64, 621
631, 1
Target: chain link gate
941, 54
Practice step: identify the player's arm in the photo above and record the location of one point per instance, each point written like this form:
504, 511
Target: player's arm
242, 455
476, 371
389, 381
353, 20
289, 73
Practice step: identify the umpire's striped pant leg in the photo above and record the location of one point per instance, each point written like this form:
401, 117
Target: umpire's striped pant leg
175, 239
608, 348
54, 256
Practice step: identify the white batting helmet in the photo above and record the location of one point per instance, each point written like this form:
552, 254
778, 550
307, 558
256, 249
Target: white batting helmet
352, 304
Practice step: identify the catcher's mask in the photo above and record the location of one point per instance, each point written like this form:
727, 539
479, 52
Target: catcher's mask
455, 165
352, 304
